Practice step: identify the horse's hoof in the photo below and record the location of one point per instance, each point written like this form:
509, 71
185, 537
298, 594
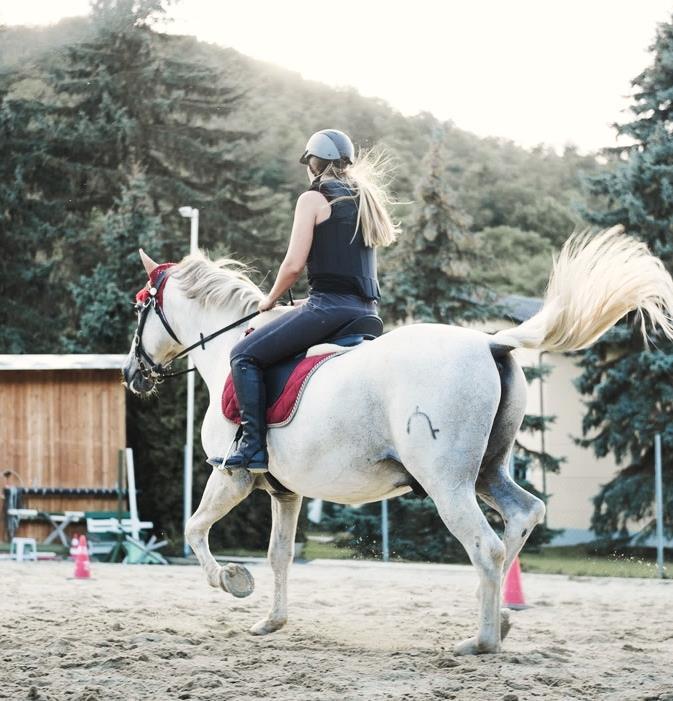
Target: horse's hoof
236, 580
268, 625
472, 646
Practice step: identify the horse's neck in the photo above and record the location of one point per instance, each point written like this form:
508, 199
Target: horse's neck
212, 362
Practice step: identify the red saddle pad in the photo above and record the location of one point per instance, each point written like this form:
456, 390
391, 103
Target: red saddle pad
284, 408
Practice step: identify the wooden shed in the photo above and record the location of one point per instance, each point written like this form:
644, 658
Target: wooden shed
62, 424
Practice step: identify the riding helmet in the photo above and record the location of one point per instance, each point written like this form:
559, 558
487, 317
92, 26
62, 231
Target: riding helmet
331, 145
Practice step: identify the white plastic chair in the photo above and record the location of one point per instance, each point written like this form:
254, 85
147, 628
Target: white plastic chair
23, 549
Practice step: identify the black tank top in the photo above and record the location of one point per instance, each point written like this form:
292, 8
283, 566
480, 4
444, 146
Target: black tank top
339, 260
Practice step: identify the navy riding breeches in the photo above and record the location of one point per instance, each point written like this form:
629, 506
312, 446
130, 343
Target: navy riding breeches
295, 330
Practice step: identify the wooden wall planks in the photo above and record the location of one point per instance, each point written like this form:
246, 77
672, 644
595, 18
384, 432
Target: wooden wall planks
62, 428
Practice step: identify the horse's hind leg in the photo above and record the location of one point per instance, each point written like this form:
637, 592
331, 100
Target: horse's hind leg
443, 449
463, 517
222, 493
520, 510
285, 512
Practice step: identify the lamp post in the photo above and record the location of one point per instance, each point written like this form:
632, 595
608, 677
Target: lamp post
659, 504
384, 530
192, 214
542, 435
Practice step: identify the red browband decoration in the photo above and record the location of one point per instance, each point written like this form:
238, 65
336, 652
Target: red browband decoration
143, 295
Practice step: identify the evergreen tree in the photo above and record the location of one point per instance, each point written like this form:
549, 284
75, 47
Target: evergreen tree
430, 276
515, 261
103, 297
119, 100
628, 385
30, 313
125, 97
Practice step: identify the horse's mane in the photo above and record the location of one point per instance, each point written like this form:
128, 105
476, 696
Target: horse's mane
217, 283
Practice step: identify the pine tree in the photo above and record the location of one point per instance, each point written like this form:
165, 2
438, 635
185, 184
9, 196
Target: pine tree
127, 97
628, 385
430, 272
103, 297
121, 100
30, 316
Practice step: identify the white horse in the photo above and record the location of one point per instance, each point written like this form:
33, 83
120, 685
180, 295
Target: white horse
436, 403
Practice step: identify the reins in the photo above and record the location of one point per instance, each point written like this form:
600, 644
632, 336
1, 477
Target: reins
204, 339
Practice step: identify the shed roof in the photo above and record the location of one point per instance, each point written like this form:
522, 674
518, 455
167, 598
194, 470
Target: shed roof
519, 308
79, 361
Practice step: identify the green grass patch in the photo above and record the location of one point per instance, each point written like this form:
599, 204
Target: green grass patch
327, 551
574, 561
239, 552
312, 551
577, 561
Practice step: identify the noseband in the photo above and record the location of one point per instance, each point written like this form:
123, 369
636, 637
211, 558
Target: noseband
152, 299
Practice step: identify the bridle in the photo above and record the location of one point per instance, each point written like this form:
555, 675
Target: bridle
150, 299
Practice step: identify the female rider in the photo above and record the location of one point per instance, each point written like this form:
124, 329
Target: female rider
337, 225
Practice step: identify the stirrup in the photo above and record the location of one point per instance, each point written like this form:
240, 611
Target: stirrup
255, 465
254, 469
257, 468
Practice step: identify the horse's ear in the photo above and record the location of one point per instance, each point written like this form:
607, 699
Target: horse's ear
149, 265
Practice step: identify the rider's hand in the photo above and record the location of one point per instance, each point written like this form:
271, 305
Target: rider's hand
266, 304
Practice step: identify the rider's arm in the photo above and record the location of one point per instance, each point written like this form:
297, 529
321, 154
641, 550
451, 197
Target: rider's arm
308, 207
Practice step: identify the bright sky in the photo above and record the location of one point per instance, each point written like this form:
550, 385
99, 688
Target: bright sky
530, 70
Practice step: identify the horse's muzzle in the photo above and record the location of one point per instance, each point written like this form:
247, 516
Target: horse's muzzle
140, 385
135, 381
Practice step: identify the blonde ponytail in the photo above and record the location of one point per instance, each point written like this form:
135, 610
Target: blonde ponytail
368, 177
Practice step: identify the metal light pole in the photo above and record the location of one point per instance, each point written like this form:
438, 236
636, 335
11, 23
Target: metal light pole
192, 214
384, 530
542, 435
659, 503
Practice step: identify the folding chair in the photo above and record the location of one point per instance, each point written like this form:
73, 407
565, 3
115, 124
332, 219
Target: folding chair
139, 553
105, 535
114, 539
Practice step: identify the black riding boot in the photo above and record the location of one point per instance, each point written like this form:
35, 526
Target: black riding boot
251, 394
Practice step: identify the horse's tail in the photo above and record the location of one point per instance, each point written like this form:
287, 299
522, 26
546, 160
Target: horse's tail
595, 281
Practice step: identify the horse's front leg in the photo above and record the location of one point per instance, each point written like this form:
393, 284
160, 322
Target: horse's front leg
222, 493
285, 512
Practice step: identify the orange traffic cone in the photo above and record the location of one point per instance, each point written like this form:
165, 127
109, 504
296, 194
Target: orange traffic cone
512, 594
82, 564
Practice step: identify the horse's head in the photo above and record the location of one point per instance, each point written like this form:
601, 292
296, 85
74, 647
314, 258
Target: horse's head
154, 341
221, 286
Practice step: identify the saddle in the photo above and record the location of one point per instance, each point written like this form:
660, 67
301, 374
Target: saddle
286, 380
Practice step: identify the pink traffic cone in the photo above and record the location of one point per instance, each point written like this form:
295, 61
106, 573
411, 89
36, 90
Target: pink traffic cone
512, 591
82, 564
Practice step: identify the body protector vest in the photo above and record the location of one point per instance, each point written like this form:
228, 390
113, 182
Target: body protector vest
339, 260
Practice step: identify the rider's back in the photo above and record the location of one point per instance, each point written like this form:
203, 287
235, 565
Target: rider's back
339, 259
